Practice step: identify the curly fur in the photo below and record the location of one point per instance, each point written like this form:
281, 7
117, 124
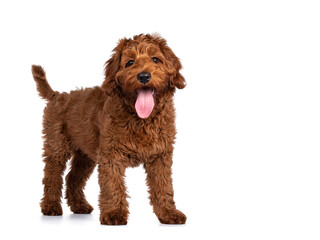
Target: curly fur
99, 126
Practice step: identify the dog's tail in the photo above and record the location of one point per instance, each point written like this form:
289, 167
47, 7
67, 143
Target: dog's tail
43, 87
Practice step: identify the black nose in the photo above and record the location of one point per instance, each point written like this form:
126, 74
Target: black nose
144, 77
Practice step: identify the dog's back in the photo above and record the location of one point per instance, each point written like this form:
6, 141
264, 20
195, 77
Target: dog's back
72, 116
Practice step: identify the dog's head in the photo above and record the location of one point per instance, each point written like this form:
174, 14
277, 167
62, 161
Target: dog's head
143, 70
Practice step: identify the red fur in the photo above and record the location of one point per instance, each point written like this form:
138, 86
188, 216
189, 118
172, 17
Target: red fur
99, 126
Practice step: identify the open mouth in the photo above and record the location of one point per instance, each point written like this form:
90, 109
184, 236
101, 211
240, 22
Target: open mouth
145, 102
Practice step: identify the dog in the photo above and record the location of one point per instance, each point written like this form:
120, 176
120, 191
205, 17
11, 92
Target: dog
127, 121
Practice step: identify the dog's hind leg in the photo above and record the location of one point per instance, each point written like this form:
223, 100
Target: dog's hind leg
81, 169
56, 155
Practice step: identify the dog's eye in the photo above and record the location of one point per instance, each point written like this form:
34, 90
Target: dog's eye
156, 60
128, 64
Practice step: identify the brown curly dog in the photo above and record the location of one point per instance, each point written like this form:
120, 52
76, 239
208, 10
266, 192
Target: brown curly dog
128, 121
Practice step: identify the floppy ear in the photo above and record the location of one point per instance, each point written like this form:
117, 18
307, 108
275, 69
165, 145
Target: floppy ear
111, 68
173, 61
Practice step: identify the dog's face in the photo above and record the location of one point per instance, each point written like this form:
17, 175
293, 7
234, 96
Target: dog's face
143, 70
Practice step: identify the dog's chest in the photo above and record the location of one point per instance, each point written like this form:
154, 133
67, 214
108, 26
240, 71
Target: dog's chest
147, 140
139, 142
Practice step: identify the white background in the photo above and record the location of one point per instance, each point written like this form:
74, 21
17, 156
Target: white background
246, 164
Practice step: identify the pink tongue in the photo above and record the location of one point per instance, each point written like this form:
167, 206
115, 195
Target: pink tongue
144, 103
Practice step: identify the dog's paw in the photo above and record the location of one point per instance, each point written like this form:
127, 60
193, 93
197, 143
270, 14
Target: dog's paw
83, 208
172, 217
114, 218
51, 209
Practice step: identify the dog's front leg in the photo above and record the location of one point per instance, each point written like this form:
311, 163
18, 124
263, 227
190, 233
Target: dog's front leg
161, 190
113, 197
